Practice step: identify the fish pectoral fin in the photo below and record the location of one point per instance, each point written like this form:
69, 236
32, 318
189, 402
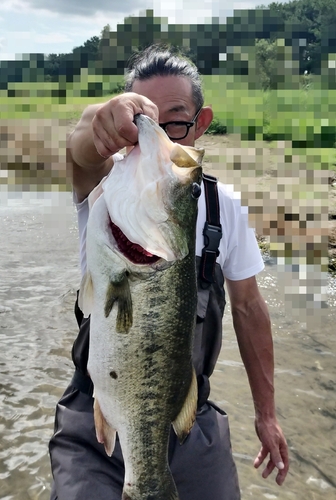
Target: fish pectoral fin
106, 435
120, 292
85, 296
185, 419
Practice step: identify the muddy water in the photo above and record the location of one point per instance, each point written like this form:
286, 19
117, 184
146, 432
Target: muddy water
38, 279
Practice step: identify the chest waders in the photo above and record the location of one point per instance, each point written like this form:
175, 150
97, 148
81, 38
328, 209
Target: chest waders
203, 467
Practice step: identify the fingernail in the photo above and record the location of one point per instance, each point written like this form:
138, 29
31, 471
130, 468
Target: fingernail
280, 465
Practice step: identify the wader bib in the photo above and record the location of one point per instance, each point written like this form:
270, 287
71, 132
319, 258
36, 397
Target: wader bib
203, 467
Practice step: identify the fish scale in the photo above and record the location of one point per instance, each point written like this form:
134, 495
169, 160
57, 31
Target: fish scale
143, 315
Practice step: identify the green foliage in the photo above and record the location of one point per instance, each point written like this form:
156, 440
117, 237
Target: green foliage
117, 88
217, 127
306, 119
309, 28
266, 63
257, 69
269, 47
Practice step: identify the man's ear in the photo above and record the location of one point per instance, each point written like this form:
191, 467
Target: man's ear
203, 121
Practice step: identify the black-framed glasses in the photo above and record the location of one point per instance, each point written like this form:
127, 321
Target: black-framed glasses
178, 130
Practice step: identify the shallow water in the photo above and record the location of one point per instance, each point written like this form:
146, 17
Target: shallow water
38, 282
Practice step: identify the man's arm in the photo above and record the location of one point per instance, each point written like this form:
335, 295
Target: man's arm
253, 329
85, 166
102, 131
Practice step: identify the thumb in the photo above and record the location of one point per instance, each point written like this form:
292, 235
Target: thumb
260, 457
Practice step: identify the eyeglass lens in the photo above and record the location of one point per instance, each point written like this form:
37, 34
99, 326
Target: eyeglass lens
176, 131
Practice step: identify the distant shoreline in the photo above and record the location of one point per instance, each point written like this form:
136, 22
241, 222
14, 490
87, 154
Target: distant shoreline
251, 167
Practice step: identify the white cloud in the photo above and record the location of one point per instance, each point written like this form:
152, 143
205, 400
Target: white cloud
60, 25
7, 56
14, 5
75, 7
52, 37
173, 9
21, 35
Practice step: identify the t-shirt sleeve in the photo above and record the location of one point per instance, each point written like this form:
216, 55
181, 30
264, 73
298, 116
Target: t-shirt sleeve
243, 257
83, 215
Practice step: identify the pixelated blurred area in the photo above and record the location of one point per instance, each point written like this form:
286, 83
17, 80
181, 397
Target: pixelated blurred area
32, 155
269, 75
289, 200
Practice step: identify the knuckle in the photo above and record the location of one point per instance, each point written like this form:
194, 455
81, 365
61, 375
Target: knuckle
103, 152
99, 114
126, 134
122, 129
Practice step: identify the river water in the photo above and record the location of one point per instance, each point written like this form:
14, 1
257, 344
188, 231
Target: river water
39, 276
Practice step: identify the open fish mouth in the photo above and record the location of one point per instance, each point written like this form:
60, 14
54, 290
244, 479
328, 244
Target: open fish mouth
132, 251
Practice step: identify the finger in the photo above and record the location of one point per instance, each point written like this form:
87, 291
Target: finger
124, 111
107, 141
260, 457
284, 452
102, 140
152, 111
106, 146
276, 458
281, 476
268, 469
113, 124
102, 150
143, 105
124, 129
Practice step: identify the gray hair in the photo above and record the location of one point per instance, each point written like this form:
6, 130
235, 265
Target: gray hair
158, 60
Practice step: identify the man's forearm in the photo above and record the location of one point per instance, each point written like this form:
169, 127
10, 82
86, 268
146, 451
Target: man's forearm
85, 166
80, 142
253, 330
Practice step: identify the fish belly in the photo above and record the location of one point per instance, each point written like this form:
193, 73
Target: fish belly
142, 377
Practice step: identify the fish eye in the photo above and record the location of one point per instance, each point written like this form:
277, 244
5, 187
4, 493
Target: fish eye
195, 190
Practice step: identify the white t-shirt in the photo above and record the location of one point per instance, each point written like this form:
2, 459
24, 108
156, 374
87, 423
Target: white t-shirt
239, 254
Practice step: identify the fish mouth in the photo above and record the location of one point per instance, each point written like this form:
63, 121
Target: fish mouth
132, 251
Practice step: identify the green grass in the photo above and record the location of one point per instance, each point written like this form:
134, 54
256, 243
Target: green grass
56, 100
307, 118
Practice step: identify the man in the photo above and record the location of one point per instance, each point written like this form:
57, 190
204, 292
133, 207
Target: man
167, 88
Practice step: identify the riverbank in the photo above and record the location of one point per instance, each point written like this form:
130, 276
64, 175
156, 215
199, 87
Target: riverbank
41, 274
292, 203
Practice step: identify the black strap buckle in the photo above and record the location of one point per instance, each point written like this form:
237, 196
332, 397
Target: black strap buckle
212, 236
210, 178
212, 232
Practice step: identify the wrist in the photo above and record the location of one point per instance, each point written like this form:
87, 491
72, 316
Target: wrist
265, 412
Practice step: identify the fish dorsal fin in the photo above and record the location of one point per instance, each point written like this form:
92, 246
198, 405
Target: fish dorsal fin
85, 296
186, 156
185, 419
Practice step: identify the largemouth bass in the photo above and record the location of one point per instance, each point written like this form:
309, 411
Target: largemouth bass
140, 289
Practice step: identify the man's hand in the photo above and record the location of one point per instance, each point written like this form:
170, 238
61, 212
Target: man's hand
102, 131
113, 124
273, 444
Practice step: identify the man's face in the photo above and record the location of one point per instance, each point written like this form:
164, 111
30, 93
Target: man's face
173, 97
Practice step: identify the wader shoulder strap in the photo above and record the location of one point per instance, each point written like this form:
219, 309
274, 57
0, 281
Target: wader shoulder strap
212, 231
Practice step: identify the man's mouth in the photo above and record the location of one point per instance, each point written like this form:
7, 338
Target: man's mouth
133, 252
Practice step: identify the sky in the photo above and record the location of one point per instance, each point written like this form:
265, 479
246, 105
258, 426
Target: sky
57, 26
